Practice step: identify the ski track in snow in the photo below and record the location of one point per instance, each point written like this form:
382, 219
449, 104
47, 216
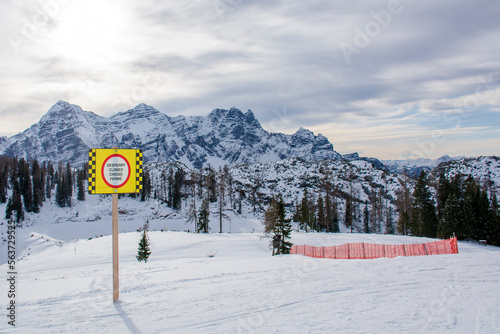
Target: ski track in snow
66, 287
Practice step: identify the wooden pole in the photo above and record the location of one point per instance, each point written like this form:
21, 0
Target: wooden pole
116, 279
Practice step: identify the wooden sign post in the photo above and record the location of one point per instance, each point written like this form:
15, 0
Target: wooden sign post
116, 266
115, 171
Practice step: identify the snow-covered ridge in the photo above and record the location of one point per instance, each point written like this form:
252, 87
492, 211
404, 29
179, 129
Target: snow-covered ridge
485, 169
66, 132
413, 167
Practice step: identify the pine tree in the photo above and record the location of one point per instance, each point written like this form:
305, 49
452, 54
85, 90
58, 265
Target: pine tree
389, 224
334, 217
69, 185
3, 183
495, 216
349, 213
144, 250
146, 185
38, 176
15, 205
366, 220
25, 184
211, 185
80, 184
49, 180
61, 189
321, 215
283, 227
451, 219
404, 203
403, 223
303, 214
204, 216
423, 219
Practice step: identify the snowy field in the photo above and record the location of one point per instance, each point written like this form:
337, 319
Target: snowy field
65, 286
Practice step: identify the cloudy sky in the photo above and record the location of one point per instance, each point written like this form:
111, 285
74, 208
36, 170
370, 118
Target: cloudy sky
389, 79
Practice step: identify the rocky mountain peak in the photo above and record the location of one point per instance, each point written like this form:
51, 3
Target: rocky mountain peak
61, 110
225, 136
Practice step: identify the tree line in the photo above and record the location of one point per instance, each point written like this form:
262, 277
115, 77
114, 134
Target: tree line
26, 185
457, 206
439, 208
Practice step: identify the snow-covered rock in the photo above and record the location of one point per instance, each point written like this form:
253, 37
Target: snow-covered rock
66, 132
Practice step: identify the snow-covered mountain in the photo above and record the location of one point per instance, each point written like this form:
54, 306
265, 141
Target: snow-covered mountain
413, 167
66, 132
485, 169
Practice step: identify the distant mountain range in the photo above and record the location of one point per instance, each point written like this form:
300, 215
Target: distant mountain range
224, 136
413, 167
66, 132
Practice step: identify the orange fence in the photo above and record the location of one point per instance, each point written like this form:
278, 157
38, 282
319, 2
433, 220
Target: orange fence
362, 250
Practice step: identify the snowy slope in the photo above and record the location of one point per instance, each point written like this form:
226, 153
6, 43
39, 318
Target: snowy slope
66, 287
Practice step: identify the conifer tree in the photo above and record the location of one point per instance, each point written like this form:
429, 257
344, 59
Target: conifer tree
69, 185
49, 180
211, 184
204, 216
276, 224
389, 224
283, 227
3, 184
366, 220
15, 205
495, 213
404, 203
423, 219
25, 184
144, 250
349, 213
320, 215
332, 213
61, 189
303, 214
451, 219
80, 184
38, 176
146, 185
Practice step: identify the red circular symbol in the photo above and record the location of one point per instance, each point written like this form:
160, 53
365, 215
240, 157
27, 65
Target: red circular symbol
115, 171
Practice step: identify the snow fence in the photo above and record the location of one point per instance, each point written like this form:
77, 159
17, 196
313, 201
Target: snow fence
363, 250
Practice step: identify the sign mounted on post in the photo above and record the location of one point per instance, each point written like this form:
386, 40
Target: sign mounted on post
115, 171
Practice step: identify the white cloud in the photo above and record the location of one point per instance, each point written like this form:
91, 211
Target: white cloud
190, 57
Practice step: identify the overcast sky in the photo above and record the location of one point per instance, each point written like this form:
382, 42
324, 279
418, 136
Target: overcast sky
388, 79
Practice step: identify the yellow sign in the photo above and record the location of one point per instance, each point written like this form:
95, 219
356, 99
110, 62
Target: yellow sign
115, 171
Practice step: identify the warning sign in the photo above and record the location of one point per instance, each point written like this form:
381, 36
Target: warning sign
115, 171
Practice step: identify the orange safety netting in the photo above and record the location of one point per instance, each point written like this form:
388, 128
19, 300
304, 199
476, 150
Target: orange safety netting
362, 250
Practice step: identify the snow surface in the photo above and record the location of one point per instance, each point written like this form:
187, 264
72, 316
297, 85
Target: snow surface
65, 286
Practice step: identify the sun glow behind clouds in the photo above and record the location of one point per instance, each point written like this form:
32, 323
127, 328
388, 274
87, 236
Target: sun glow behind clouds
89, 32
